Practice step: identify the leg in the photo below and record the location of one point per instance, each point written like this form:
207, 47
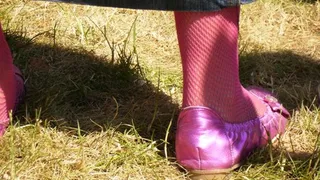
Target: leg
209, 50
221, 122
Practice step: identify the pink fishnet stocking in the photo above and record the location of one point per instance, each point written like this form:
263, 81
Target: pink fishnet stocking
7, 83
209, 50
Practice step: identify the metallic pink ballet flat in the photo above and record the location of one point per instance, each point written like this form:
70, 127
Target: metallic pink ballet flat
205, 144
20, 96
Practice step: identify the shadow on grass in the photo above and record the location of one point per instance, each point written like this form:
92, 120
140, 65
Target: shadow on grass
71, 86
293, 78
307, 1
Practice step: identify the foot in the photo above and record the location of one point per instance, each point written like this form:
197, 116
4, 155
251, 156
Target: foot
206, 144
20, 93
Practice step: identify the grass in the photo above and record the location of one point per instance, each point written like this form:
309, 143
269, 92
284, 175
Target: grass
104, 86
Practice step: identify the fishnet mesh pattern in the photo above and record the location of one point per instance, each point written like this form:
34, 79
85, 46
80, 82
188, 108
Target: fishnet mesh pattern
209, 52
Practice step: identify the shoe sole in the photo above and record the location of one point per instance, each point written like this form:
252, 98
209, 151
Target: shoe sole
219, 174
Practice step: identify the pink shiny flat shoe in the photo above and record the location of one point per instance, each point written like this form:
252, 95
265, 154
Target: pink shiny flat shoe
207, 145
19, 97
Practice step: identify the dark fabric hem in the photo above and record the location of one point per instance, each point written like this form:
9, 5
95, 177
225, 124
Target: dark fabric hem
164, 5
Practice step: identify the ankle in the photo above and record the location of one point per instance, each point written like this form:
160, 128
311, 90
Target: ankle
243, 108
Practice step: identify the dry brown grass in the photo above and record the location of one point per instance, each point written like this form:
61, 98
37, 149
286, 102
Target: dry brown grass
64, 53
